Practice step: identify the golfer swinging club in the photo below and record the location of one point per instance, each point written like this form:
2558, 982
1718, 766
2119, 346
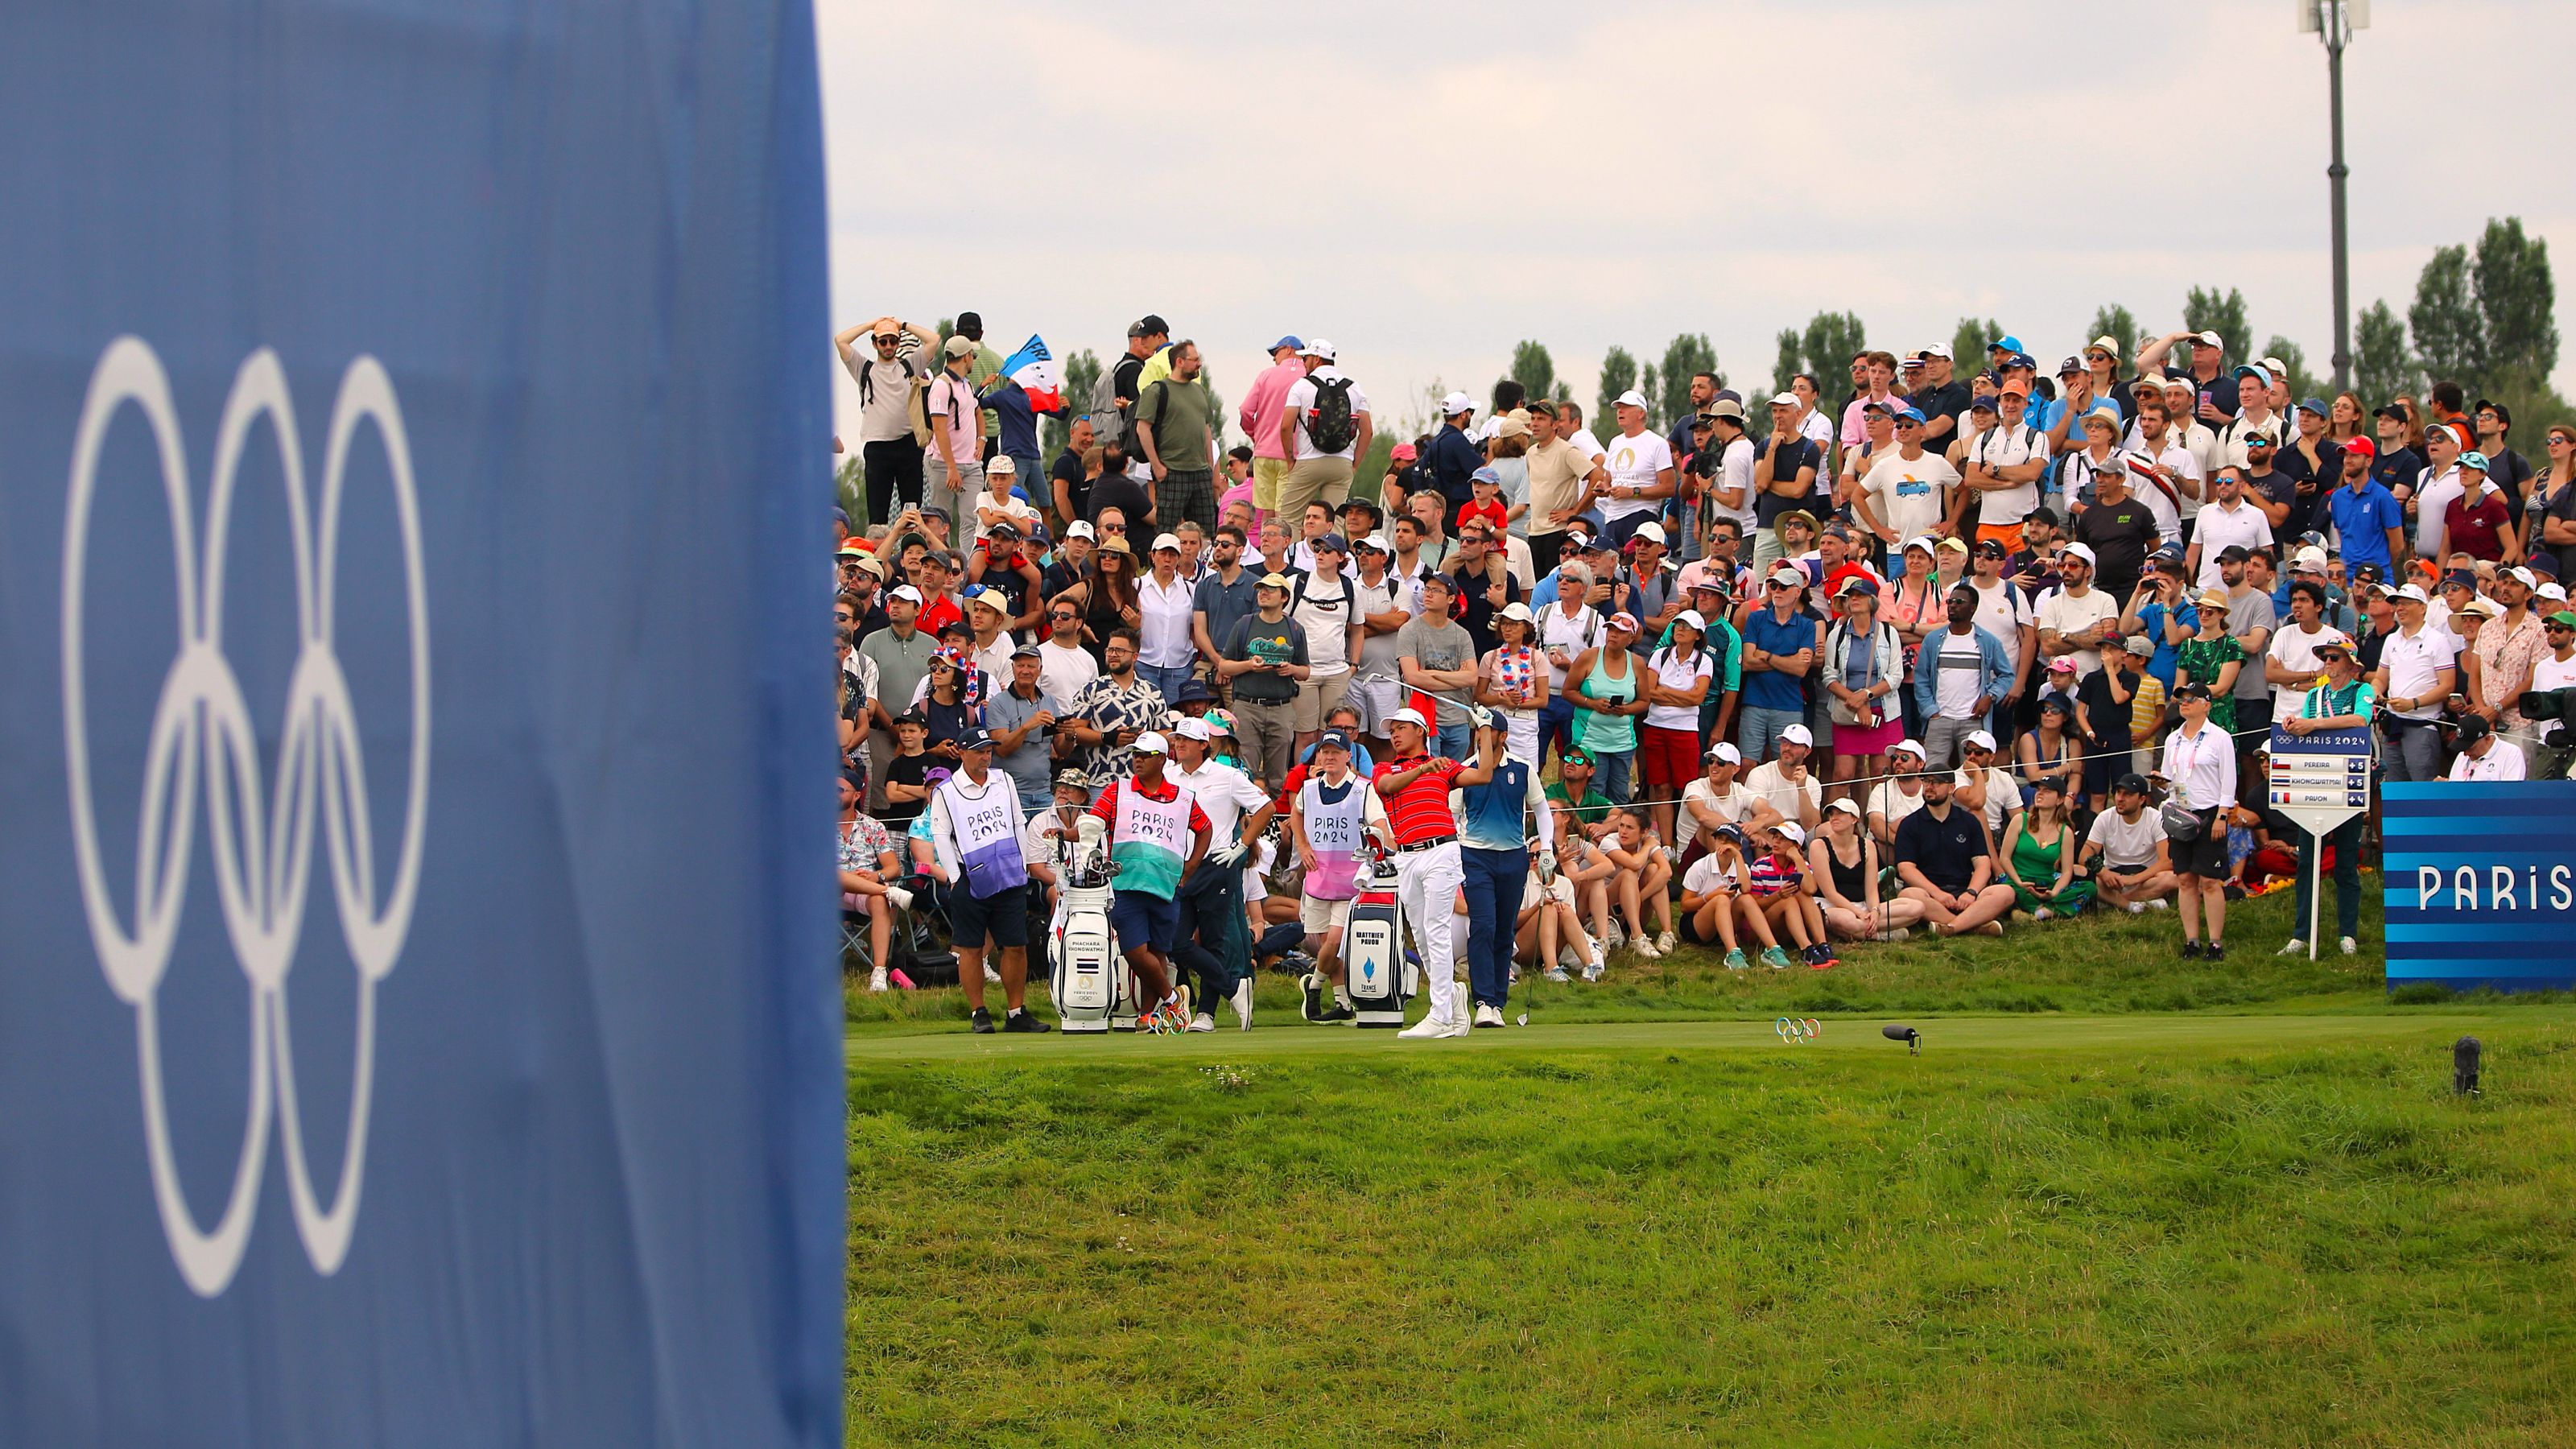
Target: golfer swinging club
1415, 788
1157, 833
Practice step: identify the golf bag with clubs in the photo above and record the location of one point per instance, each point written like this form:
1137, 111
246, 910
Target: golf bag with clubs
1088, 977
1377, 975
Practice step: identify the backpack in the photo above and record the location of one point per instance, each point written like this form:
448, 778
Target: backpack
1330, 425
916, 408
1128, 439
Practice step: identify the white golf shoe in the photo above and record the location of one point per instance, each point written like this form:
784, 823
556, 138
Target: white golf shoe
1202, 1022
1242, 1003
1431, 1028
1488, 1015
2350, 946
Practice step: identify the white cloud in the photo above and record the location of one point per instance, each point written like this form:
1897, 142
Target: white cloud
1427, 190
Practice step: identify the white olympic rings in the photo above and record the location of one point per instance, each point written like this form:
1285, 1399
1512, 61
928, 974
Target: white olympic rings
262, 863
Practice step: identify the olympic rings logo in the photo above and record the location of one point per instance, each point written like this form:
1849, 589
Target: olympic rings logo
263, 862
1798, 1030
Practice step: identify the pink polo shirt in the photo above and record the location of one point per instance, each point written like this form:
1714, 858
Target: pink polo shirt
1262, 406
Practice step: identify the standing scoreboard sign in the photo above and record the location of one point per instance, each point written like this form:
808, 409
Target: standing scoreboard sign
2479, 883
2320, 779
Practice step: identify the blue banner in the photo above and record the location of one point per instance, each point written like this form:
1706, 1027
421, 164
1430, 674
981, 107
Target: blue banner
418, 1013
2479, 884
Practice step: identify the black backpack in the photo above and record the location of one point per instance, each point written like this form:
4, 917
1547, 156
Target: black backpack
1330, 425
1128, 440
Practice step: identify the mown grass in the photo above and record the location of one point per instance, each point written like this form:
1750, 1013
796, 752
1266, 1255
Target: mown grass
2305, 1245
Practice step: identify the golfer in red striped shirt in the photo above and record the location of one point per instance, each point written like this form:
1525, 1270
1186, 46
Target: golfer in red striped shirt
1415, 787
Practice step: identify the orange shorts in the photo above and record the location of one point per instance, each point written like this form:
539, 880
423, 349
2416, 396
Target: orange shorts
2007, 534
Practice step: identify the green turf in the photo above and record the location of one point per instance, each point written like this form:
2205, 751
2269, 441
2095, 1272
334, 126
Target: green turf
2120, 1199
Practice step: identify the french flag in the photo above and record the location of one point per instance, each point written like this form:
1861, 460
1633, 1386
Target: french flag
1034, 369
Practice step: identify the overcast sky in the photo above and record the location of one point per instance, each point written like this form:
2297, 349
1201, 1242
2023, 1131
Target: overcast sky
1426, 185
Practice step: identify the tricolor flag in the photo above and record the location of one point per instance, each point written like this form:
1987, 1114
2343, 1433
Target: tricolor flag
1034, 369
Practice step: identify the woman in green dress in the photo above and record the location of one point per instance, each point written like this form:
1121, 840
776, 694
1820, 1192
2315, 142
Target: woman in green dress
2213, 657
2039, 857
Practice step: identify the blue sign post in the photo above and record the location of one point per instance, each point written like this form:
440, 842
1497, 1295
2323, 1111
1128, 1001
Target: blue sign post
419, 1020
2479, 884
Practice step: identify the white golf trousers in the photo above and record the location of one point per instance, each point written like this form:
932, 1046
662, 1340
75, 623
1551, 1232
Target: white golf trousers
1426, 886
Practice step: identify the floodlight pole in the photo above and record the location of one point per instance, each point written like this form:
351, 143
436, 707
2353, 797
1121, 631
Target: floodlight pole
2330, 16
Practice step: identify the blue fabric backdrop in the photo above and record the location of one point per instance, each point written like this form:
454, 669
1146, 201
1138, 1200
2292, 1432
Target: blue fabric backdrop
501, 688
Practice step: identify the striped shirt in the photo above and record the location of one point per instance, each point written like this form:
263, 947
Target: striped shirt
1420, 811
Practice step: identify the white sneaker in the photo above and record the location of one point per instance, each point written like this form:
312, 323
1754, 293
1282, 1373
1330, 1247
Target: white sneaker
1892, 933
1461, 1027
2137, 908
1569, 959
2292, 947
1665, 943
1616, 937
877, 979
902, 898
1242, 1002
992, 974
2350, 946
1202, 1022
1596, 967
1644, 948
2042, 914
1427, 1029
1488, 1016
2160, 904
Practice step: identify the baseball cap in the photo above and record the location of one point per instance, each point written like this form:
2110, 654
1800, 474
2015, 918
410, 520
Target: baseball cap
2139, 644
1456, 403
2005, 343
1992, 548
1983, 402
2072, 364
1691, 617
1408, 715
913, 717
1785, 400
959, 347
2413, 593
2133, 782
1291, 341
1631, 399
1909, 413
1857, 583
1952, 544
1332, 543
1796, 833
1521, 612
1724, 751
872, 565
1940, 350
2311, 557
1798, 734
1163, 541
1276, 581
974, 740
1334, 740
1650, 529
1080, 529
1845, 805
1000, 463
1191, 727
1028, 651
1624, 620
906, 591
2474, 459
2364, 446
2313, 405
1978, 740
2563, 619
1151, 742
1569, 758
2208, 339
1789, 574
2078, 550
852, 548
2061, 665
2473, 729
1405, 453
1486, 475
1318, 348
2522, 576
1374, 544
1908, 747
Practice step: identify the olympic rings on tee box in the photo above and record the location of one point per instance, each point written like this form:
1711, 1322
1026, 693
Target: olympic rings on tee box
1798, 1030
261, 842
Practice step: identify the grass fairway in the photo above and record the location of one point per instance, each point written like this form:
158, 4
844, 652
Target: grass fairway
2123, 1227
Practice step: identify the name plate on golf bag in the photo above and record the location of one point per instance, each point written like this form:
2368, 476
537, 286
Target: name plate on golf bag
419, 1022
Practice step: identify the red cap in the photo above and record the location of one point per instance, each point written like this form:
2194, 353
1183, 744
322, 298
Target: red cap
2364, 446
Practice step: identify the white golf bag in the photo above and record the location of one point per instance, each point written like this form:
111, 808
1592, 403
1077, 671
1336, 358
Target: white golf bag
1088, 976
1376, 974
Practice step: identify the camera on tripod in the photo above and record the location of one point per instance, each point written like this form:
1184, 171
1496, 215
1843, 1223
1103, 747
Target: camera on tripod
2554, 710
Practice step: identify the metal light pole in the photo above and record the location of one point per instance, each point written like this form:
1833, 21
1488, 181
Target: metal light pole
2335, 20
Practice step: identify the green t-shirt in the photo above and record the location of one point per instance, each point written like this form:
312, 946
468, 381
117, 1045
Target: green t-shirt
2200, 660
1594, 808
1182, 415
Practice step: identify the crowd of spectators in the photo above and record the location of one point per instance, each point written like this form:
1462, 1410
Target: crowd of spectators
1943, 645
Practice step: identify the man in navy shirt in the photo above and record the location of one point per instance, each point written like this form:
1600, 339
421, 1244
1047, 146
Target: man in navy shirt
2367, 517
1454, 457
2397, 463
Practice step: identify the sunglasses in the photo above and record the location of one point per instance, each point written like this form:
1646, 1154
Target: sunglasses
883, 341
1065, 618
1113, 528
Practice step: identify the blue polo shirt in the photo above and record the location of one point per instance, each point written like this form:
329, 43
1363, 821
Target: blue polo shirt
2362, 520
1769, 688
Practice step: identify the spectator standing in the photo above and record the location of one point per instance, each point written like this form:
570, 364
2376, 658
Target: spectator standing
2119, 528
2417, 673
1177, 426
1069, 477
2004, 464
1909, 491
954, 465
2501, 658
1265, 661
1012, 423
1782, 642
1019, 719
1786, 465
1325, 606
1324, 425
1439, 657
1065, 667
1114, 711
1259, 416
1559, 475
1224, 594
2200, 767
1453, 457
1641, 473
895, 364
1959, 674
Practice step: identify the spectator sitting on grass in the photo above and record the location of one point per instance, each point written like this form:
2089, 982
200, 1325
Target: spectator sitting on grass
1843, 861
2040, 859
1941, 856
2126, 852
